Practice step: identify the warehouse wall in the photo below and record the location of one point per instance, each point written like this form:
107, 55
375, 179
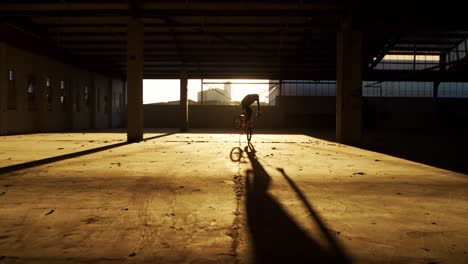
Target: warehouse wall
415, 113
43, 109
210, 116
319, 112
92, 100
291, 112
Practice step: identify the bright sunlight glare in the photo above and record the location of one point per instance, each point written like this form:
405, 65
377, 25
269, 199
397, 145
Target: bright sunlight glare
163, 91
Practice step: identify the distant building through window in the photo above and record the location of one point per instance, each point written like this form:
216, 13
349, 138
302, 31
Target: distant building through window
86, 96
98, 100
11, 75
49, 95
78, 100
106, 104
11, 90
121, 102
63, 99
205, 91
216, 95
31, 93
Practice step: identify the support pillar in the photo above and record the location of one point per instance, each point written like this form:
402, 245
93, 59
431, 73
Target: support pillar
280, 92
110, 102
435, 89
201, 91
442, 65
41, 96
70, 92
3, 89
348, 86
183, 101
280, 88
92, 101
135, 80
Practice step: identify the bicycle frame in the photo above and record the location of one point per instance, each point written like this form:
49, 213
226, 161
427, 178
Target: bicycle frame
239, 123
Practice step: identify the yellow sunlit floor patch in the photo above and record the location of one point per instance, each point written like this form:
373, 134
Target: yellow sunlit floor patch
210, 197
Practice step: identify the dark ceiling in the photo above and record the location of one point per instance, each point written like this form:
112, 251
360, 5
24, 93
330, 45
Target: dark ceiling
229, 39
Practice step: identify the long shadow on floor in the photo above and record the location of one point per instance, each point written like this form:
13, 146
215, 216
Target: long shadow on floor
276, 237
35, 163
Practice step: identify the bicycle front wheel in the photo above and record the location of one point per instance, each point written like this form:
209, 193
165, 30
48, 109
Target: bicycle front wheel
248, 132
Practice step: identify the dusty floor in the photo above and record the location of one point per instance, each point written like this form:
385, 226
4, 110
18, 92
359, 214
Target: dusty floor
199, 197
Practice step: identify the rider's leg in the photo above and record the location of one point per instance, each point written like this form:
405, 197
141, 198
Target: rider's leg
248, 115
244, 113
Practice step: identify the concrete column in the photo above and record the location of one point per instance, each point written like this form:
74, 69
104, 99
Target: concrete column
125, 102
280, 92
201, 91
442, 62
70, 97
280, 87
435, 89
41, 95
92, 100
442, 65
183, 101
135, 80
3, 89
110, 102
348, 86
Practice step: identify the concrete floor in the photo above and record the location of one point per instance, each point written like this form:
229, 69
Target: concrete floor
199, 197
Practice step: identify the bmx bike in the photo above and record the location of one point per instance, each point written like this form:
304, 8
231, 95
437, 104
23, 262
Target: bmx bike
239, 124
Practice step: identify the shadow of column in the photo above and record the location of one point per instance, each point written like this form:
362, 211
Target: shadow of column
34, 163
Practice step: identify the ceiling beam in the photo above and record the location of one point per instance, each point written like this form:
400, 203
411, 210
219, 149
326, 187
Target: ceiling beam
308, 64
103, 33
384, 51
180, 51
413, 52
162, 41
186, 29
429, 76
134, 7
165, 8
31, 38
225, 74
